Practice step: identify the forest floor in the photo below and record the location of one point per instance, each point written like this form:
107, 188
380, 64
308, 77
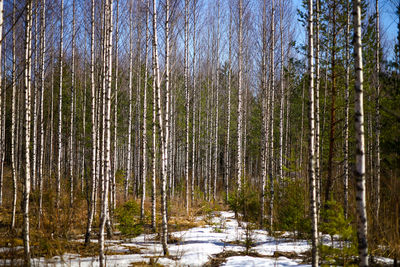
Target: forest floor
217, 239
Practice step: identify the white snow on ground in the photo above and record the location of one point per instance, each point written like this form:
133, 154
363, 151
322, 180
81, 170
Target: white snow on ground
197, 245
246, 261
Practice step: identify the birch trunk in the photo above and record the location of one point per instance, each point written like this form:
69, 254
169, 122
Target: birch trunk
2, 123
346, 118
144, 132
317, 109
377, 117
240, 104
27, 130
107, 128
14, 122
164, 137
186, 78
71, 134
129, 164
272, 101
91, 206
194, 102
61, 55
155, 83
228, 131
216, 107
264, 114
360, 144
311, 139
282, 98
41, 107
115, 143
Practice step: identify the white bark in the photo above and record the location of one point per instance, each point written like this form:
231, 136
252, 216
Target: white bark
282, 98
41, 123
72, 126
271, 115
144, 132
228, 131
186, 78
13, 124
311, 139
377, 117
107, 129
346, 118
216, 106
164, 136
240, 104
91, 207
61, 55
264, 115
360, 143
317, 109
27, 131
194, 102
129, 164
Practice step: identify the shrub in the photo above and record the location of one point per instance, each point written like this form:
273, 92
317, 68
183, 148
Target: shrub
334, 224
290, 213
128, 217
246, 202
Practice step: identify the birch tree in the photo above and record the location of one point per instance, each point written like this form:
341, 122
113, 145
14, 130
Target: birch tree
27, 131
144, 132
377, 116
60, 93
129, 164
240, 103
186, 81
108, 27
2, 124
41, 107
359, 171
91, 206
311, 138
14, 145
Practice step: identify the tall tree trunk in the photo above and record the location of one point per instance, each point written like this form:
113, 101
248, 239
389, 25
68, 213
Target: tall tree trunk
228, 127
216, 152
359, 171
144, 132
317, 109
282, 98
264, 81
153, 157
377, 118
272, 101
346, 118
329, 181
59, 150
91, 206
187, 104
129, 164
164, 135
194, 103
41, 107
14, 122
71, 134
27, 132
240, 104
107, 129
311, 139
115, 142
2, 123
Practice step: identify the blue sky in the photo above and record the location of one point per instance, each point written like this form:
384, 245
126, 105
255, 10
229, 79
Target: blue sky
388, 20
